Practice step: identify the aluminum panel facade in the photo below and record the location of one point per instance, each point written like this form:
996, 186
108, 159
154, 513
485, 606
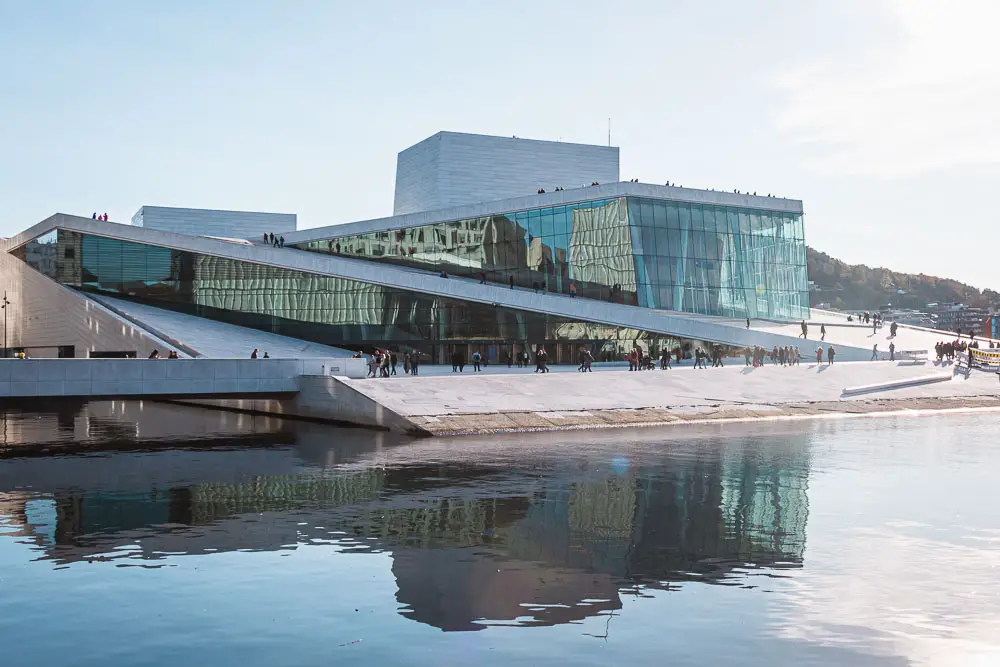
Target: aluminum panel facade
453, 169
208, 222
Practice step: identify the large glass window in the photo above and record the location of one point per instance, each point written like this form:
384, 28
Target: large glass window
587, 244
714, 256
327, 309
608, 250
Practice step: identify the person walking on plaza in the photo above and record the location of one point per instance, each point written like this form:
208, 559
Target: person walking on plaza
819, 355
875, 355
253, 355
393, 359
543, 353
748, 323
822, 332
406, 363
805, 329
455, 358
572, 290
477, 360
746, 355
414, 362
892, 352
588, 361
830, 354
512, 282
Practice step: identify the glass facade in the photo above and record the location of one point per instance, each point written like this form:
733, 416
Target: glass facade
324, 309
698, 258
718, 260
587, 243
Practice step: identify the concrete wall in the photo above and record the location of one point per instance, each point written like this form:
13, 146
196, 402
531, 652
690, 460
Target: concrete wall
452, 168
320, 397
331, 398
152, 377
207, 222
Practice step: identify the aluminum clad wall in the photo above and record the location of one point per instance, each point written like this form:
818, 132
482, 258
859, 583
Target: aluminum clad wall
208, 222
454, 169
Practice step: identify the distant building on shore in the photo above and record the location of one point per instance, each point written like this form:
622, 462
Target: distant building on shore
957, 316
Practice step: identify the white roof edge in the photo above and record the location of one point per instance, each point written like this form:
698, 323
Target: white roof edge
209, 210
441, 133
569, 196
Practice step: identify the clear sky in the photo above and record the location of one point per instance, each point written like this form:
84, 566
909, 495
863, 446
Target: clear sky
880, 114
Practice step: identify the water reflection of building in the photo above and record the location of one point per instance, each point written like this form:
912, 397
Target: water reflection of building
470, 545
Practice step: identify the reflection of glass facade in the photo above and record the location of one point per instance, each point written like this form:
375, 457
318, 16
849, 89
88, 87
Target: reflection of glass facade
700, 258
324, 309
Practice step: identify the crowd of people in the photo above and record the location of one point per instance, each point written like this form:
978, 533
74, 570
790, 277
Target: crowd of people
946, 350
155, 354
874, 319
383, 363
276, 241
103, 217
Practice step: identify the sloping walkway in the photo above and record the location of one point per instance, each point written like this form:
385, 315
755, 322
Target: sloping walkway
216, 339
469, 393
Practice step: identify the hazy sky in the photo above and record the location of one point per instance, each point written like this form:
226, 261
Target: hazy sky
880, 114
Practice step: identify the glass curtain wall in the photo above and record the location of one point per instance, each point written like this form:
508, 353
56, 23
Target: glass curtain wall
587, 244
696, 258
324, 309
719, 260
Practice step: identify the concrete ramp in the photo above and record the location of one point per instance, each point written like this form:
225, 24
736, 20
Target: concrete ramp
209, 338
469, 403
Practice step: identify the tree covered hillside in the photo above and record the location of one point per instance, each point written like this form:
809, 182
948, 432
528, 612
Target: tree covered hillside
857, 287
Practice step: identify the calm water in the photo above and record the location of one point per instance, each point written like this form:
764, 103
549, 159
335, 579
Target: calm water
154, 535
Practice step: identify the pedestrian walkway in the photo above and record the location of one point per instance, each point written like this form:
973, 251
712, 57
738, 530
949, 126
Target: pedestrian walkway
621, 389
210, 338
